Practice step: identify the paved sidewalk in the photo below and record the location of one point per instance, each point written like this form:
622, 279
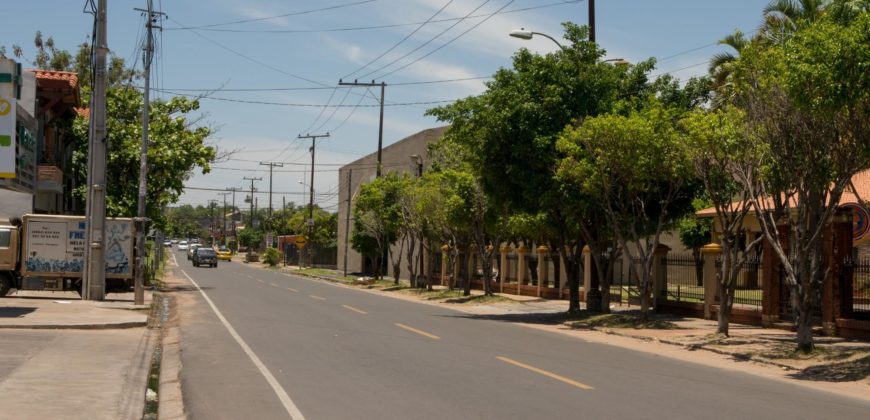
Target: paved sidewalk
61, 357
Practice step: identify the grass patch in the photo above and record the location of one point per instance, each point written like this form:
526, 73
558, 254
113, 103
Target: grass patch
480, 300
590, 321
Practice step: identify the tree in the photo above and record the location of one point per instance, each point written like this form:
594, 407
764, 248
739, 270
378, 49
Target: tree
250, 238
695, 233
807, 102
377, 219
636, 167
722, 154
511, 130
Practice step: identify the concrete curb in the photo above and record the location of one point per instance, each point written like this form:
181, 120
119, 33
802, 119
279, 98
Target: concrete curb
114, 326
171, 397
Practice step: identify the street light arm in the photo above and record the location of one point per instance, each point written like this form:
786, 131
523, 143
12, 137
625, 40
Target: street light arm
550, 38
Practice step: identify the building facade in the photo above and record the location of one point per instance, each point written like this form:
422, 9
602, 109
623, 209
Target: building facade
406, 156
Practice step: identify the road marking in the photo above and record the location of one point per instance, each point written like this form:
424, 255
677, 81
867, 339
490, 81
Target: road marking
316, 297
423, 333
273, 285
261, 281
545, 373
291, 408
292, 289
354, 309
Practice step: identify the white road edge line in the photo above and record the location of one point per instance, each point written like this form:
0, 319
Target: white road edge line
291, 408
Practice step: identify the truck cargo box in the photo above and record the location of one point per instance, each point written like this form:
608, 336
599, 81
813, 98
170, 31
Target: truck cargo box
54, 246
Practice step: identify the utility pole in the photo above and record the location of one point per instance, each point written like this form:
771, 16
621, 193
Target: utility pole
271, 166
311, 192
233, 190
224, 217
94, 275
211, 204
347, 219
251, 226
151, 17
591, 20
381, 125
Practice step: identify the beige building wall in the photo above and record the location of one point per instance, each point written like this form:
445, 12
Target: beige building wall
396, 158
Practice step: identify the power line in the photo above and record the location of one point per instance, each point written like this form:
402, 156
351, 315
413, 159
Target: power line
396, 45
448, 42
284, 89
301, 105
387, 26
427, 42
304, 12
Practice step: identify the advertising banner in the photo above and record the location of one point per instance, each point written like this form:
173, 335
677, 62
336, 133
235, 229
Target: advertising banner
7, 138
55, 246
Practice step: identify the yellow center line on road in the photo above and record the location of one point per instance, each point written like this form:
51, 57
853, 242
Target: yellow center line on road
316, 297
414, 330
354, 309
545, 373
292, 289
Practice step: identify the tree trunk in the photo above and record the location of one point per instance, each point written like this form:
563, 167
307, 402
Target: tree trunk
433, 259
804, 322
411, 247
466, 281
724, 315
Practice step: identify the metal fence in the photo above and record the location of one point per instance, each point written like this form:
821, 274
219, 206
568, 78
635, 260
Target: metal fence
749, 283
858, 273
685, 281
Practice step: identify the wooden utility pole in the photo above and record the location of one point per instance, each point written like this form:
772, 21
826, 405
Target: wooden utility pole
311, 193
347, 219
151, 17
381, 124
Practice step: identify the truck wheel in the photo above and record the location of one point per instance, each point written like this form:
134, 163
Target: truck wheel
5, 284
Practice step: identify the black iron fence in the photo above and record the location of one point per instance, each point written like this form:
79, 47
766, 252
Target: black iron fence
857, 272
685, 278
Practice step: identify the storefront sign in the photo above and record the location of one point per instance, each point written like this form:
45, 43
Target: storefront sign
7, 138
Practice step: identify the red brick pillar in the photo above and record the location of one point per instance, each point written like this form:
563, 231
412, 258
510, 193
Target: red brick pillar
838, 249
770, 268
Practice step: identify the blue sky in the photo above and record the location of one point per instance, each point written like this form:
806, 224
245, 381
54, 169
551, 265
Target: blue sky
311, 48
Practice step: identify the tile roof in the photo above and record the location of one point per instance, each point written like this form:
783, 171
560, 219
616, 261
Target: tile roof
860, 192
67, 76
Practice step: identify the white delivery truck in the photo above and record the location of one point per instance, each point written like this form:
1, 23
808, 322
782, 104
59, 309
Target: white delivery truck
47, 252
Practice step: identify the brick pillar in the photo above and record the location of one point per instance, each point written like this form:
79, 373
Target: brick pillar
521, 266
445, 257
504, 267
660, 275
770, 268
542, 267
838, 248
711, 253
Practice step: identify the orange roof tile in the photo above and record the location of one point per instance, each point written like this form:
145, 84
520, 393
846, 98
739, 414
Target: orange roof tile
68, 76
861, 192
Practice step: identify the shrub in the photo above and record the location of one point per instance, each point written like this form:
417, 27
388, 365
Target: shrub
271, 256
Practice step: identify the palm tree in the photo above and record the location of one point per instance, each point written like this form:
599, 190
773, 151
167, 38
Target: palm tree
722, 65
844, 11
783, 17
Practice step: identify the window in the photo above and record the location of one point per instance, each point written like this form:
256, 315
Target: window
5, 237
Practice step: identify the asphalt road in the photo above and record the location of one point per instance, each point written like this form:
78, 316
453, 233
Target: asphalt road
285, 345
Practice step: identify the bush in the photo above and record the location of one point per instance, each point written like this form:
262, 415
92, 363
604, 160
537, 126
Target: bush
271, 256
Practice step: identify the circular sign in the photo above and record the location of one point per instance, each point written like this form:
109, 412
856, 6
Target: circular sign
860, 221
5, 107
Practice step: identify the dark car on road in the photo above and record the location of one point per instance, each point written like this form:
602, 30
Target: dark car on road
205, 256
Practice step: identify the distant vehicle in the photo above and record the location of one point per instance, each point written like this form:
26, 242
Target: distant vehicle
182, 246
167, 243
205, 256
194, 241
191, 251
224, 253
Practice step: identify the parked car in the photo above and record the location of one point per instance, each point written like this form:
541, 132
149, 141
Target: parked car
174, 241
205, 256
192, 250
183, 245
167, 243
224, 253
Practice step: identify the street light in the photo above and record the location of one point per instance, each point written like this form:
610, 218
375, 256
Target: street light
526, 34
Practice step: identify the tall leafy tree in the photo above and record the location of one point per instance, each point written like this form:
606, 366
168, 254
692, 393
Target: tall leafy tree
377, 219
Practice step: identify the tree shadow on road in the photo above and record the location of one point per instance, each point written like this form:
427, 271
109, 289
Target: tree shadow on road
15, 312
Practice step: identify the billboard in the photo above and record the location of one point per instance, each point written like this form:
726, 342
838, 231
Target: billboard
55, 246
8, 151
